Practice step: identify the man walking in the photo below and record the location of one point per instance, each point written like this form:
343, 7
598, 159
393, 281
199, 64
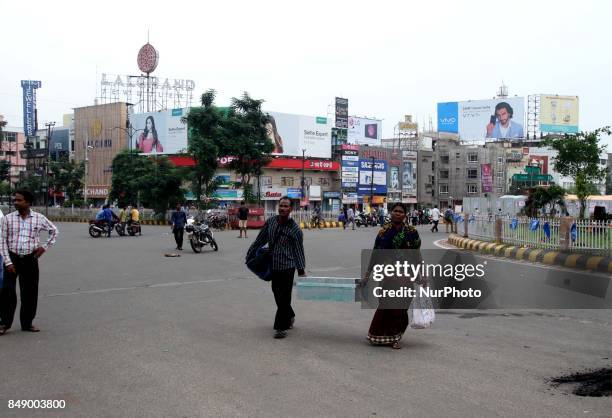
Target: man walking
178, 221
286, 243
20, 248
448, 219
351, 217
243, 217
435, 218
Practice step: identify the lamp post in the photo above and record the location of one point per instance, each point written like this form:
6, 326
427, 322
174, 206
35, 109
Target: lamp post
47, 166
303, 183
372, 185
87, 147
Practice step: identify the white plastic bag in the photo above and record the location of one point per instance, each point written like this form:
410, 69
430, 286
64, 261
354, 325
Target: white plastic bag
421, 313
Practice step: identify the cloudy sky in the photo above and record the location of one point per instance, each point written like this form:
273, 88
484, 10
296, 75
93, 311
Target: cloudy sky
388, 58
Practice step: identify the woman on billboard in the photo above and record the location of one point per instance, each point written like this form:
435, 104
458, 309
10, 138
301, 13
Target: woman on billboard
148, 140
274, 136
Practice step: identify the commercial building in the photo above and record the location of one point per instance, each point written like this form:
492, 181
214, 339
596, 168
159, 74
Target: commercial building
11, 151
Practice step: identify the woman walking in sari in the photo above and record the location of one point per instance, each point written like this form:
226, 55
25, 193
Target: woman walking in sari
388, 325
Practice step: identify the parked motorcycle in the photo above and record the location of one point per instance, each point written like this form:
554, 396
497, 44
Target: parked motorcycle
97, 228
216, 220
361, 220
199, 235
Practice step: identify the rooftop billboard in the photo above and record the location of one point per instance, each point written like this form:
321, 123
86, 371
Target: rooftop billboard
291, 134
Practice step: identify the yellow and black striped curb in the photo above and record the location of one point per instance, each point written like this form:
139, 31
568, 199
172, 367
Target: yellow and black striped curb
326, 224
69, 219
550, 257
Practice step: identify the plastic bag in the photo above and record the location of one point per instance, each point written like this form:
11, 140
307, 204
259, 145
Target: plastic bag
421, 312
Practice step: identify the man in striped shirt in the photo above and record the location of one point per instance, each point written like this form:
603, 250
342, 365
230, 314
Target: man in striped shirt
286, 242
20, 249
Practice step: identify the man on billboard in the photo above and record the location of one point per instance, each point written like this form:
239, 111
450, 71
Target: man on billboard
501, 124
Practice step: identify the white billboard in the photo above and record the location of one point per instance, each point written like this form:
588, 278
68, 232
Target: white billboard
364, 131
290, 134
496, 118
159, 132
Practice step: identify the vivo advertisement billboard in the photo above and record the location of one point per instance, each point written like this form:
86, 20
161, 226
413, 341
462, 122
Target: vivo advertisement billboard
376, 184
290, 134
363, 131
502, 118
159, 132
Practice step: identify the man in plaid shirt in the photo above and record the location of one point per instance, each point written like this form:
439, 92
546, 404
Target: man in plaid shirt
20, 249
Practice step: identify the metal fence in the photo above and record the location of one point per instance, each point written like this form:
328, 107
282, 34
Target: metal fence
584, 236
306, 215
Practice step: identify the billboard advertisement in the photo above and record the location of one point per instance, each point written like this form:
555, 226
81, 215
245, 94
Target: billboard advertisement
558, 114
409, 176
350, 171
376, 184
363, 131
341, 113
484, 119
486, 178
159, 132
394, 181
29, 106
290, 134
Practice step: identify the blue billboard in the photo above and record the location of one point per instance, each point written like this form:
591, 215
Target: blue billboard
29, 106
448, 117
372, 179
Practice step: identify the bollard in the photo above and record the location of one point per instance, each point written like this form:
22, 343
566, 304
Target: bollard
498, 230
564, 232
465, 225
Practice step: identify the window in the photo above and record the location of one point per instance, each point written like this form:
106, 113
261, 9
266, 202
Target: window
1, 153
500, 160
286, 181
10, 136
444, 189
444, 174
472, 189
11, 153
324, 181
266, 181
472, 173
458, 155
307, 181
472, 158
500, 174
444, 159
499, 190
433, 166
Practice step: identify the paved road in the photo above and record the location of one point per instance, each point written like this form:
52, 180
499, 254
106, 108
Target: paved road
128, 332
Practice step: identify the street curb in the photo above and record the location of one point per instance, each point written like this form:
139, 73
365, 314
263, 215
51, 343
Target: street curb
326, 224
537, 255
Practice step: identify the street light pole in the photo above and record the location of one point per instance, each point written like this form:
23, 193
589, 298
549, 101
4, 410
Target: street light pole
87, 148
303, 180
47, 165
372, 186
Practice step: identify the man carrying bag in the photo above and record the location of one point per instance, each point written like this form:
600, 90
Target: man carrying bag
284, 255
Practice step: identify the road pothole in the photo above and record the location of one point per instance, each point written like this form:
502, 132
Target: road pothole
589, 383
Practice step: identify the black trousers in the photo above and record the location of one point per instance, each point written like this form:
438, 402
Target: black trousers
435, 226
178, 236
282, 286
27, 271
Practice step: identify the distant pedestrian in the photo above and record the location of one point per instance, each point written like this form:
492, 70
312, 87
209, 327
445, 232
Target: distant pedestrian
448, 219
435, 218
20, 248
243, 216
286, 243
351, 217
345, 220
178, 221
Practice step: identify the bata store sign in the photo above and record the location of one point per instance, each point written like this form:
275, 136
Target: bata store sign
273, 193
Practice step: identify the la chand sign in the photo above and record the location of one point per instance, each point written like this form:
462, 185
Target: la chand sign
138, 81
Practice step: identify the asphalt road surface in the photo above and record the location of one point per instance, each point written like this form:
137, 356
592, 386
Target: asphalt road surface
129, 332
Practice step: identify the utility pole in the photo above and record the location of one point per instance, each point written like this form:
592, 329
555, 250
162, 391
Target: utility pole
372, 186
303, 179
47, 166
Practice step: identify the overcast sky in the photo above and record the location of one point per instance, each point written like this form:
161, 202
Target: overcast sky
388, 58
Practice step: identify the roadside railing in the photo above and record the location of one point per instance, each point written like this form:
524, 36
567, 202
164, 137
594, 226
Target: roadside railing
306, 215
575, 235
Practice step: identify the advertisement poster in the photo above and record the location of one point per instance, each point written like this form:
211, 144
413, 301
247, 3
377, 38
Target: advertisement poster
292, 133
394, 183
487, 178
409, 174
364, 131
558, 114
539, 161
29, 106
376, 184
341, 113
502, 118
159, 132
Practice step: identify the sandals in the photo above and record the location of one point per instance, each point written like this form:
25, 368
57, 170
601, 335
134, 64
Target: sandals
32, 328
396, 345
3, 329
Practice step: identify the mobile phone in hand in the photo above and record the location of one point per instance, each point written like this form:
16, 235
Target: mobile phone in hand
493, 120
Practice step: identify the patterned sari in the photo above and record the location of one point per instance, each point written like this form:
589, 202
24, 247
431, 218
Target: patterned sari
388, 325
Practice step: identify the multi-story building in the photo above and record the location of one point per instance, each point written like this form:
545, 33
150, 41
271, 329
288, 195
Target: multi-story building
11, 150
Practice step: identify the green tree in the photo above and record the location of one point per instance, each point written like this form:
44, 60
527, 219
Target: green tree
246, 140
67, 176
578, 158
542, 197
33, 183
129, 169
5, 170
3, 123
206, 132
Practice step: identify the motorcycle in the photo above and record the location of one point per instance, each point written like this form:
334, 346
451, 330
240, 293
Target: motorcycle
199, 235
97, 228
216, 220
131, 229
361, 220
